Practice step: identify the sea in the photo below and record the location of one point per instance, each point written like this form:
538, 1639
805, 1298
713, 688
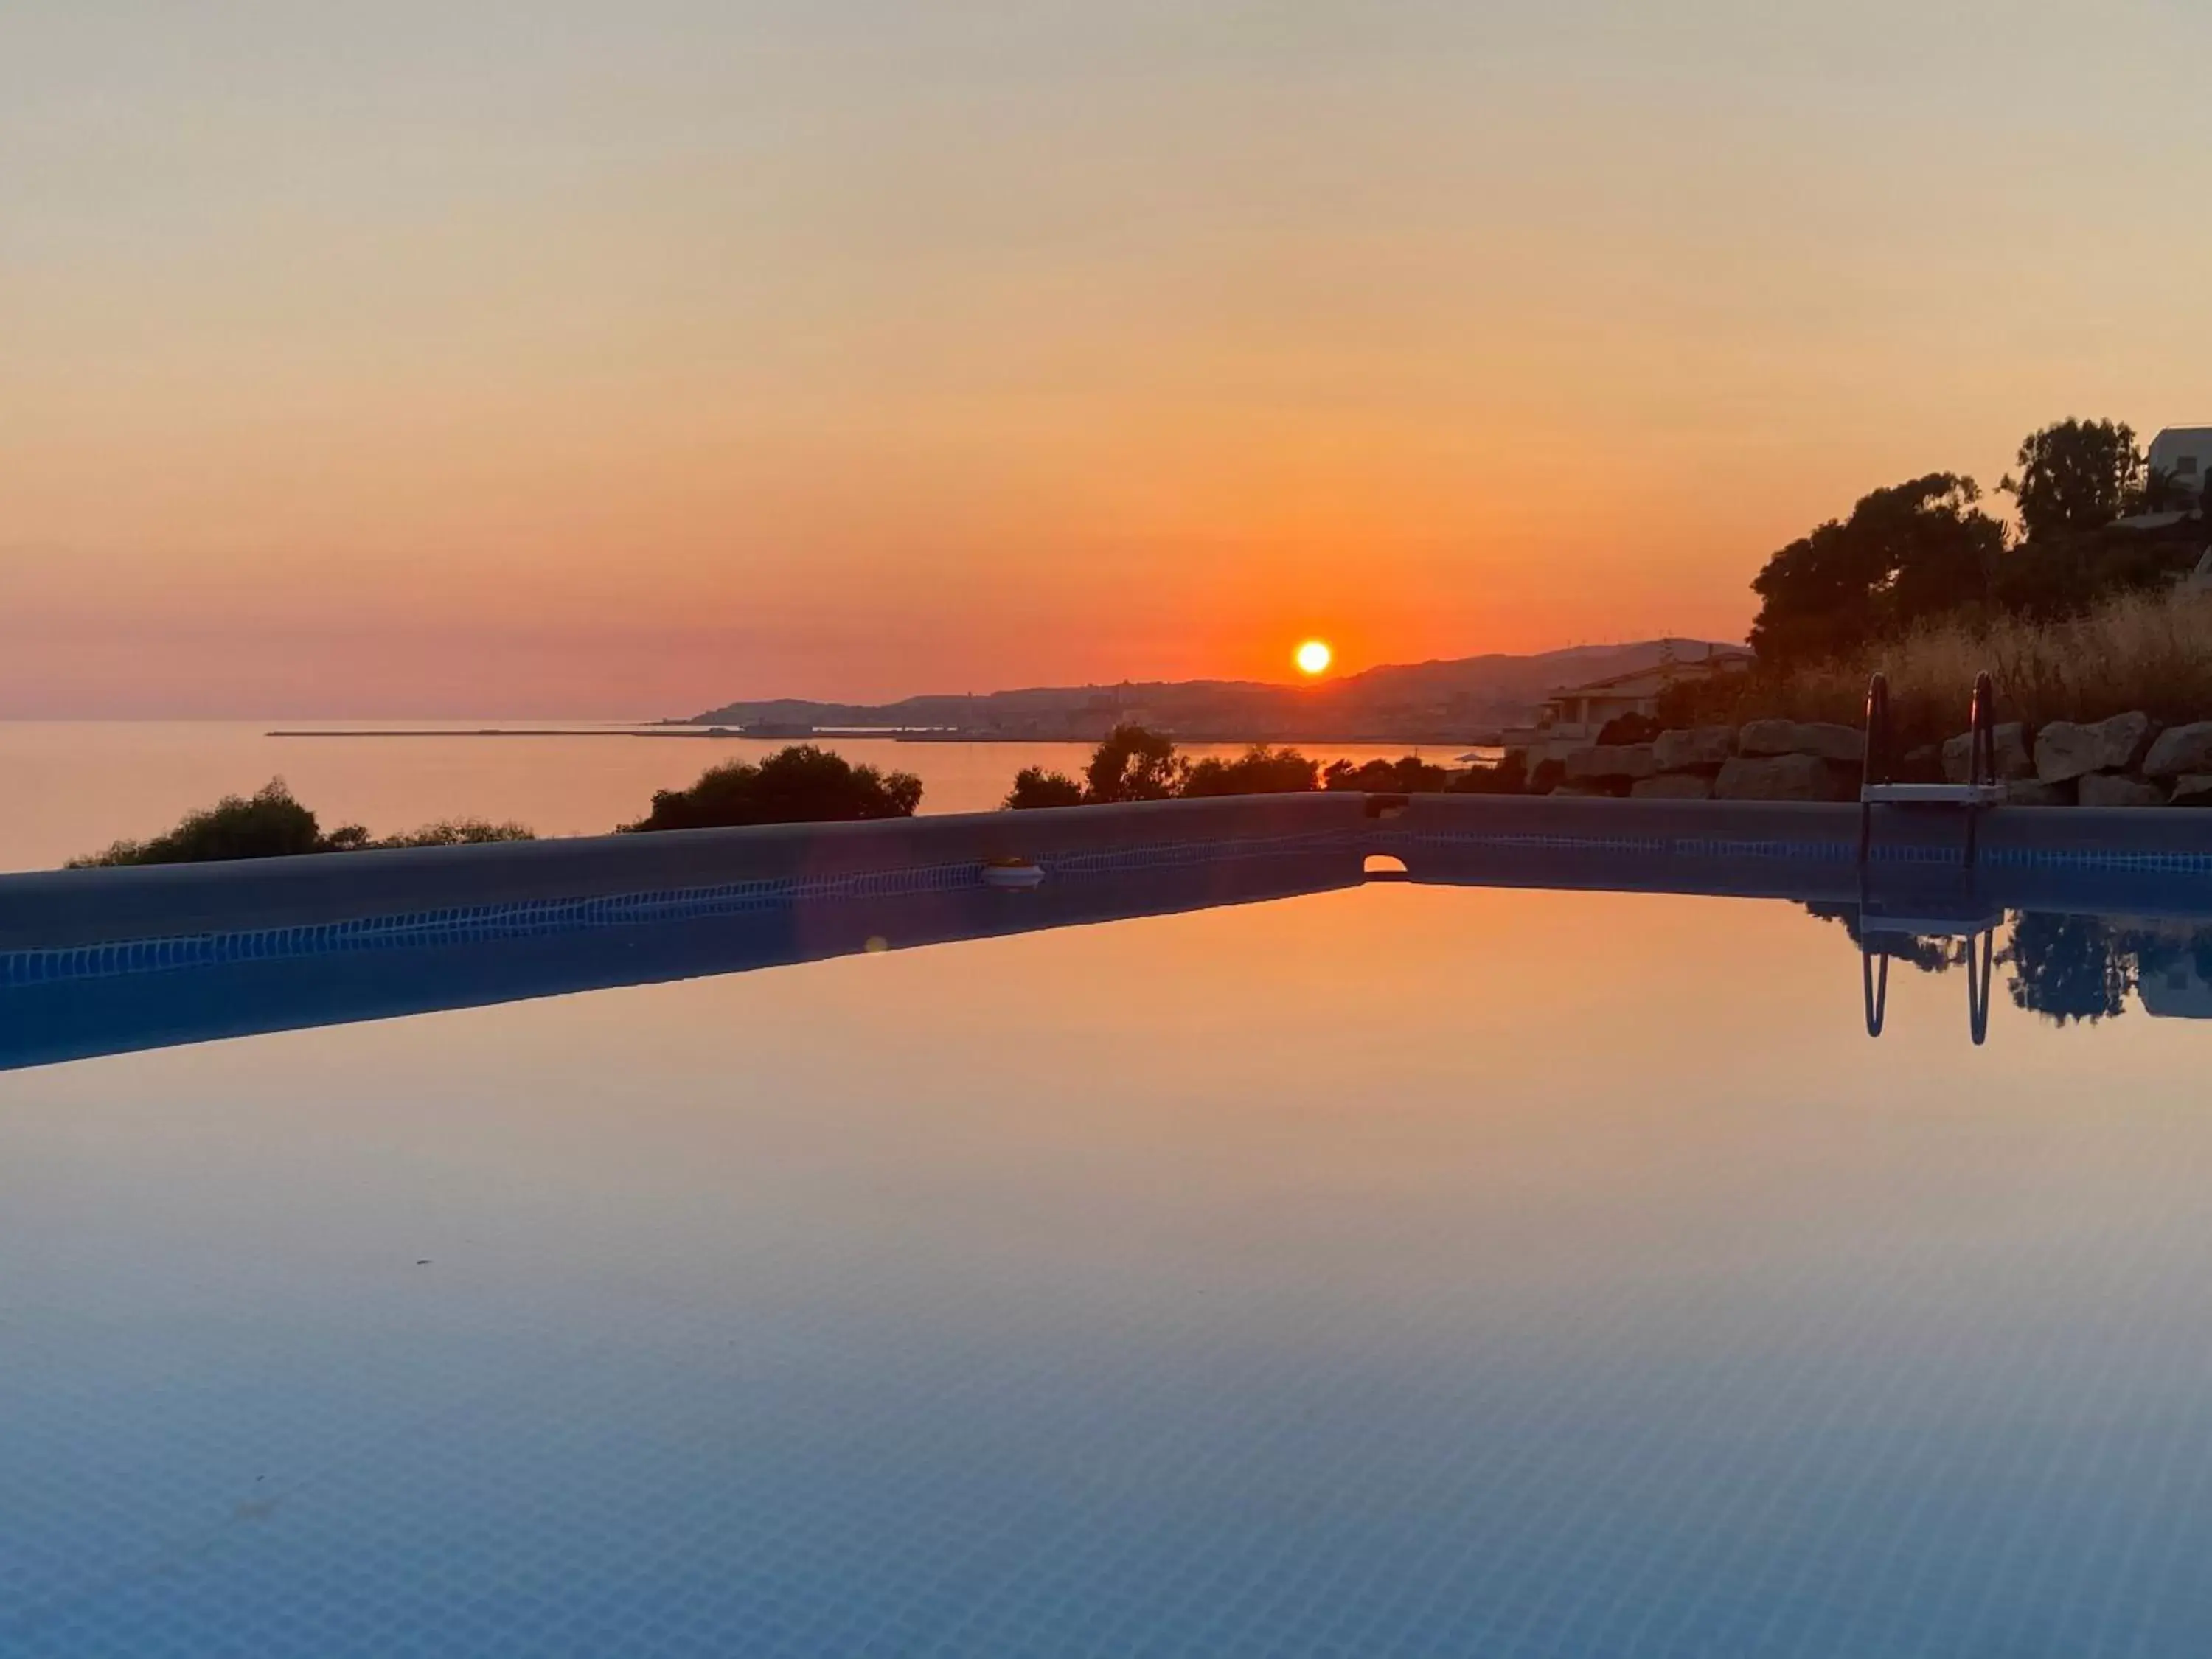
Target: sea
69, 787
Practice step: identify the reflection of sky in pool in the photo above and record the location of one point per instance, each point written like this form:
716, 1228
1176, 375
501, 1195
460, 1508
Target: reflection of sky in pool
1390, 1270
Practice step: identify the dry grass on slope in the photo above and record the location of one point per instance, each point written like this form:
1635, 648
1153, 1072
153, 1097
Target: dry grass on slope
2147, 651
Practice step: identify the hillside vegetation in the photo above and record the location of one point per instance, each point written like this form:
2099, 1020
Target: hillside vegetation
1135, 764
2147, 651
2078, 616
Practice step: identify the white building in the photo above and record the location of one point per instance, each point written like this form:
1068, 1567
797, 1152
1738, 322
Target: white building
2187, 453
2175, 990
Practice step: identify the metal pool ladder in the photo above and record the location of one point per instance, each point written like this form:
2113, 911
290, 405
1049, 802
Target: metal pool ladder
1980, 791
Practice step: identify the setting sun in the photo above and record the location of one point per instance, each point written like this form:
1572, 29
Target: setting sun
1314, 657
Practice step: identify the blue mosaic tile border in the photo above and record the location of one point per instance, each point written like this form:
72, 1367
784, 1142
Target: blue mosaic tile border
1635, 846
1702, 846
463, 924
2074, 859
539, 918
2069, 858
1168, 854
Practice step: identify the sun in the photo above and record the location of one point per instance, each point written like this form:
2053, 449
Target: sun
1314, 657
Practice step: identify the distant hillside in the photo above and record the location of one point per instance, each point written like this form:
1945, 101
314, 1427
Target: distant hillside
1430, 701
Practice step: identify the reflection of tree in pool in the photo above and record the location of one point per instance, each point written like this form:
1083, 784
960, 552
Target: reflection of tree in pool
1929, 955
2069, 966
2065, 967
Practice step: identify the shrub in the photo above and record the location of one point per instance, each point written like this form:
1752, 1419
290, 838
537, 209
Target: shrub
269, 824
272, 824
1259, 770
454, 832
1135, 764
1509, 777
1630, 728
1410, 775
803, 784
1035, 787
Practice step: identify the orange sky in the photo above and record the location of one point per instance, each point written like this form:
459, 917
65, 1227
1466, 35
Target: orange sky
567, 359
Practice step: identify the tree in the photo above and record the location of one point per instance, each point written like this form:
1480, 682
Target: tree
1035, 787
2062, 576
1259, 770
2075, 476
1134, 764
803, 784
1906, 552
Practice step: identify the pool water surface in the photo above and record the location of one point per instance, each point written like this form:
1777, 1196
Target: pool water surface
1391, 1270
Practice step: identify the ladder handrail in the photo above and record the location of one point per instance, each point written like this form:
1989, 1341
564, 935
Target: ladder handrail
1979, 957
1877, 751
1873, 991
1879, 746
1977, 985
1982, 716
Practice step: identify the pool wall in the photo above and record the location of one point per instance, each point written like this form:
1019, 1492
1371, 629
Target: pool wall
99, 960
2139, 861
773, 864
1785, 850
379, 975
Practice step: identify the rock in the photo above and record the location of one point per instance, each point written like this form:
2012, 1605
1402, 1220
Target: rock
1686, 751
2010, 749
2193, 789
1759, 739
1829, 742
1673, 786
2032, 792
2118, 789
1784, 777
2184, 749
1921, 765
1611, 759
2065, 750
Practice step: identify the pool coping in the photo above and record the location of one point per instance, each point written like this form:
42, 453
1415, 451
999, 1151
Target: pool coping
79, 924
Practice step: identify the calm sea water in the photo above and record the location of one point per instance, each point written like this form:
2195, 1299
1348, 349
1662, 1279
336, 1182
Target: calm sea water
74, 787
1396, 1270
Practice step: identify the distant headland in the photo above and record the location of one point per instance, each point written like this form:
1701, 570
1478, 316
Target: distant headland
1464, 700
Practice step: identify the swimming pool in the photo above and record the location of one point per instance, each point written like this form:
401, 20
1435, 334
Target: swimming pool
1286, 1264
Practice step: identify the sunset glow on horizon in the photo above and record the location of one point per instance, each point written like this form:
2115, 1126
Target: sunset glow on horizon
569, 359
